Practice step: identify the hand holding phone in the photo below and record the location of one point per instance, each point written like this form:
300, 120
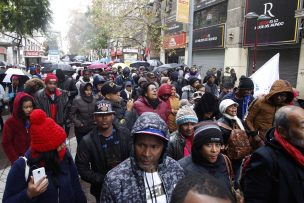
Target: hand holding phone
38, 174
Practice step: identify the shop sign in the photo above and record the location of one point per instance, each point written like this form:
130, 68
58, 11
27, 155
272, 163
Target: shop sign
281, 28
2, 50
173, 27
201, 4
182, 11
53, 52
175, 41
130, 50
209, 37
32, 53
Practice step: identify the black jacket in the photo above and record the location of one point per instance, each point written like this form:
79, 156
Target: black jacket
69, 85
273, 176
91, 160
176, 146
43, 102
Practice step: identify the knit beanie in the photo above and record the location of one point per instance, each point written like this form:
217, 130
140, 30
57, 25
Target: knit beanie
246, 83
50, 77
186, 115
142, 79
225, 104
46, 135
207, 132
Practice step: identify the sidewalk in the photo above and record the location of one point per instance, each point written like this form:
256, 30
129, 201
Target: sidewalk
72, 146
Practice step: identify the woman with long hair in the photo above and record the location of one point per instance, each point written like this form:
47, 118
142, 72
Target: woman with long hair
15, 135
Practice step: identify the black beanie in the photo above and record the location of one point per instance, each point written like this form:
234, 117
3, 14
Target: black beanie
192, 80
205, 133
246, 83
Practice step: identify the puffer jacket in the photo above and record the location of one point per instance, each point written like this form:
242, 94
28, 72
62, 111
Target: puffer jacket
176, 146
15, 138
82, 112
125, 183
142, 105
261, 112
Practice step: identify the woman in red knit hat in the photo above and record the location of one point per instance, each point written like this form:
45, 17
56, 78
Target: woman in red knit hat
15, 134
48, 150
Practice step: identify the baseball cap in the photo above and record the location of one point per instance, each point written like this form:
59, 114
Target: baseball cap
103, 107
110, 87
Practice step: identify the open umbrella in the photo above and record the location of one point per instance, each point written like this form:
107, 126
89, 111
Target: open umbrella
137, 64
97, 66
165, 67
2, 63
15, 71
66, 68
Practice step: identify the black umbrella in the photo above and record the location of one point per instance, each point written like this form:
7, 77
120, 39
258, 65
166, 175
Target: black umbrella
66, 68
137, 64
165, 67
2, 63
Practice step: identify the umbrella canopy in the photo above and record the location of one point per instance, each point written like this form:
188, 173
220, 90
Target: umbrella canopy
97, 66
137, 64
119, 64
87, 63
14, 71
165, 67
63, 66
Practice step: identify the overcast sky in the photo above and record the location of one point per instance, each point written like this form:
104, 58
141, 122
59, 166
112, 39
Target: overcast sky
61, 12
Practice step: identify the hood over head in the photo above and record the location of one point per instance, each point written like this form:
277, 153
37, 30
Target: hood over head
17, 103
164, 89
280, 86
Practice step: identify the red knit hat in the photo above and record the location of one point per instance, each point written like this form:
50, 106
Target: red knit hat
46, 135
50, 77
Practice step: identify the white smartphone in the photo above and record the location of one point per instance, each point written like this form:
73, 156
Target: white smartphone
38, 174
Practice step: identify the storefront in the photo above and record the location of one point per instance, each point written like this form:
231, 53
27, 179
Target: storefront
279, 34
174, 42
130, 55
208, 47
33, 57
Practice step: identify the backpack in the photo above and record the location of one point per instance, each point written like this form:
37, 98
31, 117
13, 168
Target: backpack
238, 145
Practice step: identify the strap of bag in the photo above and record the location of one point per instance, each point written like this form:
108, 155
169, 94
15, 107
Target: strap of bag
223, 125
27, 168
229, 167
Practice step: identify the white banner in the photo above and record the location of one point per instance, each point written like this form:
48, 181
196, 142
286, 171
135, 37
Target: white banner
265, 76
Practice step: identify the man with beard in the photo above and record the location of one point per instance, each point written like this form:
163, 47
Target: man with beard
102, 149
52, 100
125, 115
180, 143
148, 175
275, 172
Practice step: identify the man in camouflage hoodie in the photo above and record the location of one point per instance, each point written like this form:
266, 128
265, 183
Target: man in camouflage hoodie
148, 175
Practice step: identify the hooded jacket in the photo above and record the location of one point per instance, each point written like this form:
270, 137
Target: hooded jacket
82, 111
15, 138
261, 112
125, 183
273, 175
81, 81
142, 105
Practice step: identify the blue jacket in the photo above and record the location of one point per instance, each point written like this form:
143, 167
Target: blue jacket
69, 190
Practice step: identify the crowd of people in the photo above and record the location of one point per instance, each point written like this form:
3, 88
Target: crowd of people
173, 137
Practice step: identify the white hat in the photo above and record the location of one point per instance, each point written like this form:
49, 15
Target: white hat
225, 104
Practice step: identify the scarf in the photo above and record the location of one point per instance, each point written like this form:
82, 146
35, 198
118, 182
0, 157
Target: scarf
129, 94
188, 145
153, 103
296, 154
238, 121
245, 105
52, 96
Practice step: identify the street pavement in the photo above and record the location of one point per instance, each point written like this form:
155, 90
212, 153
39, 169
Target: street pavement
72, 146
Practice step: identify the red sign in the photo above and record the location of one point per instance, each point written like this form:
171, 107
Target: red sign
175, 41
32, 53
2, 50
116, 53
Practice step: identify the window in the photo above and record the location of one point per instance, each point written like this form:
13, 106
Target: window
214, 15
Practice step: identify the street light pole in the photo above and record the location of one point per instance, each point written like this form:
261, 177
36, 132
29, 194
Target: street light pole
258, 18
